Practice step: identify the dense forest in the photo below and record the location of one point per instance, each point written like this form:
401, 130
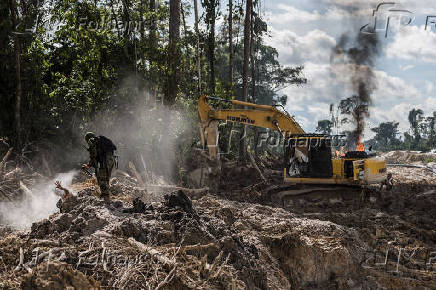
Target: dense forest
66, 63
421, 136
69, 65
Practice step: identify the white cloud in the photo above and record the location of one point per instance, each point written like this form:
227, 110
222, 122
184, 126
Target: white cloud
291, 14
400, 112
393, 89
429, 88
306, 37
413, 43
391, 98
314, 46
426, 7
406, 67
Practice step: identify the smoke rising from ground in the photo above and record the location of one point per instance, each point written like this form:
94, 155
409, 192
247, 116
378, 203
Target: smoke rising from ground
145, 132
354, 58
36, 205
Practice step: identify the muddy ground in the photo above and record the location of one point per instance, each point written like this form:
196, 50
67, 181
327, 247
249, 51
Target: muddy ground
243, 237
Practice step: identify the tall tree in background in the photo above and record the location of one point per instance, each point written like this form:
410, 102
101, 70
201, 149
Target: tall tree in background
324, 127
386, 135
197, 47
432, 130
415, 117
231, 48
211, 15
252, 59
173, 52
18, 90
247, 34
152, 48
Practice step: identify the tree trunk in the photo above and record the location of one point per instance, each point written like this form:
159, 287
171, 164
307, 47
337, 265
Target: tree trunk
152, 50
185, 65
247, 33
173, 52
198, 47
231, 47
126, 13
18, 90
253, 63
211, 43
114, 15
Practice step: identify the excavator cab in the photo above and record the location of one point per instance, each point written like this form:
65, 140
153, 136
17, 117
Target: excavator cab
309, 160
308, 155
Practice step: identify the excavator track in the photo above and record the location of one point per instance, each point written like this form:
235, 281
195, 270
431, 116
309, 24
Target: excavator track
300, 196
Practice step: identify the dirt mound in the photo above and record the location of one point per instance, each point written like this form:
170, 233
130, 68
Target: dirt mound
209, 243
409, 157
169, 241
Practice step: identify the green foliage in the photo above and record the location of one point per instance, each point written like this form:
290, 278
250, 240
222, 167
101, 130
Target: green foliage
88, 58
386, 136
428, 160
422, 137
324, 127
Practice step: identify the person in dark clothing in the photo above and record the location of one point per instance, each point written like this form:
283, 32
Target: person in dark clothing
101, 157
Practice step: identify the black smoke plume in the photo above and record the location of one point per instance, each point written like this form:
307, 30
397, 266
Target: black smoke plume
354, 58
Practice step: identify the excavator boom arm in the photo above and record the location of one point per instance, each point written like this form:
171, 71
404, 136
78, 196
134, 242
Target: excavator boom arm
263, 116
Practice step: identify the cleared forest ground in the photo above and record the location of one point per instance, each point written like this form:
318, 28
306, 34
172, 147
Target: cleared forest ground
237, 239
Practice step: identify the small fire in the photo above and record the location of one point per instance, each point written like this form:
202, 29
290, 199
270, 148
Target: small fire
360, 146
340, 153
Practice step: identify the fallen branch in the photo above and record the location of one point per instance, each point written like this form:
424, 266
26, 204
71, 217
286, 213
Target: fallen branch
46, 243
5, 158
253, 162
214, 275
152, 252
25, 189
215, 263
167, 279
198, 247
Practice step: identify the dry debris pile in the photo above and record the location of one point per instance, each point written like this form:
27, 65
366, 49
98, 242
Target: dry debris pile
13, 181
208, 244
187, 240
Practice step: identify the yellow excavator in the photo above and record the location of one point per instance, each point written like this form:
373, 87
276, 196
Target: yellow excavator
308, 158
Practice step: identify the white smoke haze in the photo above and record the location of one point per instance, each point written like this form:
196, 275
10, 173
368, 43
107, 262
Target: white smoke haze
149, 135
146, 133
36, 205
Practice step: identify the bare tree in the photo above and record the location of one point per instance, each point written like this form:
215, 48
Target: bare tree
210, 20
197, 32
231, 47
252, 61
173, 52
153, 44
247, 34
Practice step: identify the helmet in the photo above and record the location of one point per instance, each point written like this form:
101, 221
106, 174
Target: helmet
89, 135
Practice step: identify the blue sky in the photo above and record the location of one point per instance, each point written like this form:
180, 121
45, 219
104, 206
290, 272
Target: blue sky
305, 31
